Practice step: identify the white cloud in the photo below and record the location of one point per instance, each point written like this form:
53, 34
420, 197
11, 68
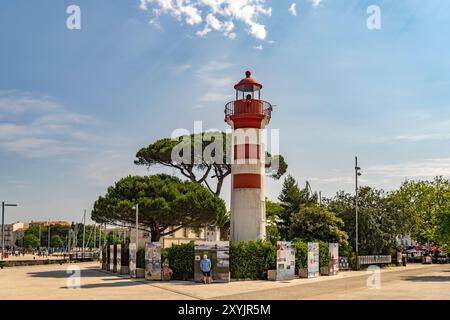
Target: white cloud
107, 167
219, 15
424, 137
259, 47
214, 75
293, 9
212, 23
39, 126
424, 168
316, 3
183, 68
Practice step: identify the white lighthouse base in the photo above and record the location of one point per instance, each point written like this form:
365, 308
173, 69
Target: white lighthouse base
248, 215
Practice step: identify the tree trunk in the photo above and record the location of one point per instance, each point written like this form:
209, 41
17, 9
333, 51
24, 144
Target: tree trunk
155, 235
224, 232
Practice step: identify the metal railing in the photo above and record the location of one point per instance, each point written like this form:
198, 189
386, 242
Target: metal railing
251, 106
374, 259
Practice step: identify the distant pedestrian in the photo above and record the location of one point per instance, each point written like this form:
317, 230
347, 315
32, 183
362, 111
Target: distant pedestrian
205, 267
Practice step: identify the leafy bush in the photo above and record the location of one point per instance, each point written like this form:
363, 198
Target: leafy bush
301, 254
140, 258
251, 260
181, 260
346, 250
324, 257
125, 255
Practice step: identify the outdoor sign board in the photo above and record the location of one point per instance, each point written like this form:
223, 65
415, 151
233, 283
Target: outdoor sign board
219, 254
153, 260
333, 253
285, 260
133, 252
313, 259
119, 258
111, 257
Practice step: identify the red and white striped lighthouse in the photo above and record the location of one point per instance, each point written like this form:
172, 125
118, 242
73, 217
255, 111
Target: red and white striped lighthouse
247, 116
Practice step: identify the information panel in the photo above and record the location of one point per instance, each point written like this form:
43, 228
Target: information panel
285, 260
111, 257
313, 259
153, 260
333, 253
133, 252
219, 254
119, 258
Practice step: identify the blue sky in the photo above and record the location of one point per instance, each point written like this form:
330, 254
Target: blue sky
76, 105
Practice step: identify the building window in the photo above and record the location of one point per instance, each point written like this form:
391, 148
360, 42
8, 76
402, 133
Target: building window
185, 232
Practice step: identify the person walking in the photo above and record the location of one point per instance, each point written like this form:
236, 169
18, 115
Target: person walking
205, 267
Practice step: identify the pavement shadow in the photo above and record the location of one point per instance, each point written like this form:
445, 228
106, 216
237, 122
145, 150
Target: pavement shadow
428, 278
119, 284
58, 274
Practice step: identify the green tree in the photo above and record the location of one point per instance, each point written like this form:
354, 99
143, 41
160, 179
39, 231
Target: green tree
273, 211
30, 241
164, 201
207, 162
56, 241
427, 203
293, 199
317, 223
380, 219
198, 167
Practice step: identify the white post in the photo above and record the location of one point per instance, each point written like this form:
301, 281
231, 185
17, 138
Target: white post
137, 228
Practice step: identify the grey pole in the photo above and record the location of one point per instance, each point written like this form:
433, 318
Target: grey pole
357, 173
48, 240
3, 227
3, 222
39, 237
84, 230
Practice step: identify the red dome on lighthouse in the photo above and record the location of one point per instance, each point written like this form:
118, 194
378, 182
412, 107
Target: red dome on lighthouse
248, 84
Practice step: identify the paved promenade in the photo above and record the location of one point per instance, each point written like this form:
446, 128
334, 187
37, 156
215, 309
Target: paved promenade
50, 282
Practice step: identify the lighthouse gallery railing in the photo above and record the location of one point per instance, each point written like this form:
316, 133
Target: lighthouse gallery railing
252, 106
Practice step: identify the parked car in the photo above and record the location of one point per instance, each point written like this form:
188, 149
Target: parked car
440, 257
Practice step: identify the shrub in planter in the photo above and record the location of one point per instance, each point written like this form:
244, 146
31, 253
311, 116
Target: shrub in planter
125, 255
301, 258
140, 258
252, 260
181, 260
346, 250
324, 258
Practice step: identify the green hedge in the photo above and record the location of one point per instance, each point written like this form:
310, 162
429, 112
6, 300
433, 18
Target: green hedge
249, 260
125, 255
140, 258
181, 260
301, 254
252, 260
324, 257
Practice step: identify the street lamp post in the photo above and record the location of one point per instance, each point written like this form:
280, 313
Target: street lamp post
357, 174
48, 238
84, 232
3, 223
